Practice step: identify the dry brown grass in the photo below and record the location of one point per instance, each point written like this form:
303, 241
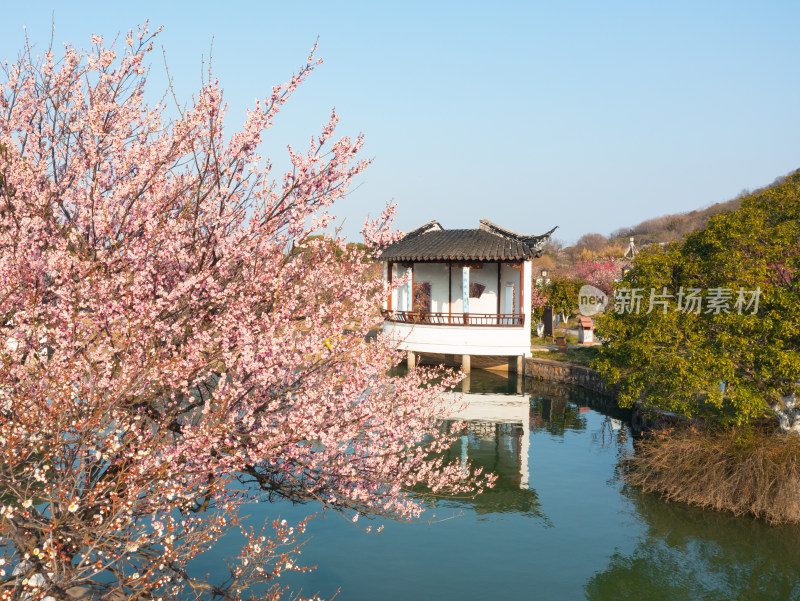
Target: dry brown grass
755, 472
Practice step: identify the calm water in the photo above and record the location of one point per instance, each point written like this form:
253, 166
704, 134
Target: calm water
559, 525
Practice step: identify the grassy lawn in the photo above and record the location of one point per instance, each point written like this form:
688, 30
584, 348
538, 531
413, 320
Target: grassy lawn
536, 341
580, 356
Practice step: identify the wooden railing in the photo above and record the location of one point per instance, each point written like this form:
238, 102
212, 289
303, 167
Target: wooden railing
456, 319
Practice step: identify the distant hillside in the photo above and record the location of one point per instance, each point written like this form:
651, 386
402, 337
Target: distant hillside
666, 228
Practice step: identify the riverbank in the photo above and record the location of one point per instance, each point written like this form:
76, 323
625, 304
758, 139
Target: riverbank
752, 471
564, 372
559, 368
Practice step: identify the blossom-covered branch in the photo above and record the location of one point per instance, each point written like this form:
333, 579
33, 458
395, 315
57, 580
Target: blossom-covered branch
171, 330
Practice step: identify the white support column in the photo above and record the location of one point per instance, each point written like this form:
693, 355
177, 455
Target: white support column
465, 288
526, 295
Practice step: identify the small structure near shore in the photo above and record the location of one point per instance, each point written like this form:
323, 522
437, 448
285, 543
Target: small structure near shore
585, 330
465, 292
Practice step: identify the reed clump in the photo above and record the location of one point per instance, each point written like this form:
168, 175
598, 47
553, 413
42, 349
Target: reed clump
754, 471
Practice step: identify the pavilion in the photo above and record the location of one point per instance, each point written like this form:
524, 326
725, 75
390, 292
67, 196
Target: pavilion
466, 292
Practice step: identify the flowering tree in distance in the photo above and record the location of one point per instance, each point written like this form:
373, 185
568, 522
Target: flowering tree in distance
601, 273
174, 342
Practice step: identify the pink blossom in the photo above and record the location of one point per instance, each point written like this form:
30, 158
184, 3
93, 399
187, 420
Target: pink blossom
172, 330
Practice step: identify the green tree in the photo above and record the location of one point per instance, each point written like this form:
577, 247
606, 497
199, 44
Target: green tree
731, 363
562, 294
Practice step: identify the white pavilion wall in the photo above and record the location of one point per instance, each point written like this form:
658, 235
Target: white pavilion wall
509, 281
398, 294
460, 340
486, 276
385, 304
455, 278
401, 301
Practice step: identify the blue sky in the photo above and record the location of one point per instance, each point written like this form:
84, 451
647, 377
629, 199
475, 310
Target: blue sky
586, 115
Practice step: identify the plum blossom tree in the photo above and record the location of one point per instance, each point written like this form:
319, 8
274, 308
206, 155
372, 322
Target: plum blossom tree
601, 273
175, 343
538, 297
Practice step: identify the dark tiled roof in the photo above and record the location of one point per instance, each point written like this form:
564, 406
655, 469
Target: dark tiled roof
490, 242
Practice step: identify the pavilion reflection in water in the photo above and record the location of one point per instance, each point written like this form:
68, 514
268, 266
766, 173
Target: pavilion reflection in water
499, 429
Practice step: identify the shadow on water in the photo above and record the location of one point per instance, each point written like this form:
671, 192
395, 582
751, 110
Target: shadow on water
688, 553
583, 398
482, 381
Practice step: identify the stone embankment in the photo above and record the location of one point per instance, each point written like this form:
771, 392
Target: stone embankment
567, 373
641, 418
